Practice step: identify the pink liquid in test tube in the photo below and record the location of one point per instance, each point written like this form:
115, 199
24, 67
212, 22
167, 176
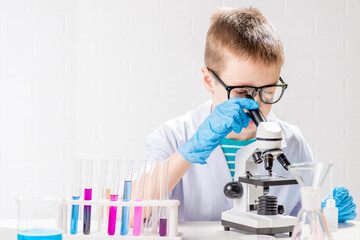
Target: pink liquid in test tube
137, 219
112, 216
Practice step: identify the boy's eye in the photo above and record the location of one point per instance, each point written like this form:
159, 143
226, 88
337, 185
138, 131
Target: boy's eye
240, 92
268, 92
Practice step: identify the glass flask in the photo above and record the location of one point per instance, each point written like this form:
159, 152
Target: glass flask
311, 223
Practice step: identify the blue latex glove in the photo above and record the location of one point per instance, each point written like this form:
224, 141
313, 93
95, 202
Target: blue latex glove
344, 202
226, 117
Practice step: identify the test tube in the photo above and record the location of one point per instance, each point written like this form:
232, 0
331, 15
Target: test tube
138, 209
155, 208
164, 194
331, 181
147, 209
126, 198
105, 190
114, 193
87, 196
75, 196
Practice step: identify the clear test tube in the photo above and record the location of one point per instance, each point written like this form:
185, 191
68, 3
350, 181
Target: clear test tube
89, 164
164, 196
115, 167
148, 197
104, 183
126, 198
76, 192
154, 215
139, 197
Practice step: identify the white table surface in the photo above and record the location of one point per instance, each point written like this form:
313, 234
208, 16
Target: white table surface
214, 230
206, 231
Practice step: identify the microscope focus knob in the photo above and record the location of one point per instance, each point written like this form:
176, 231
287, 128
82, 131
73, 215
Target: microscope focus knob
233, 190
281, 209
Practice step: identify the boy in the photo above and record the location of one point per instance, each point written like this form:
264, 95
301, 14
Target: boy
243, 50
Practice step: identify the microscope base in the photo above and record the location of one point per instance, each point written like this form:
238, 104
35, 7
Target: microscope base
258, 224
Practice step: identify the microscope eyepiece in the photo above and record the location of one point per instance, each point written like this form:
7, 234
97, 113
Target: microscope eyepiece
283, 160
256, 115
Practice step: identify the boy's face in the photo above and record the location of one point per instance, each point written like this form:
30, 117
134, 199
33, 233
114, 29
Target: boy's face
242, 72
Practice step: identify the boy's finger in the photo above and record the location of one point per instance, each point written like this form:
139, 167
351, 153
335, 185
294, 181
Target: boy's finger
245, 103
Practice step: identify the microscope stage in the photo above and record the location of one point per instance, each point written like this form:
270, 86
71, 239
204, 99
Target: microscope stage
267, 181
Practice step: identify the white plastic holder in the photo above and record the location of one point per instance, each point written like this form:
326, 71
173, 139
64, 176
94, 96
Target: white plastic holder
172, 205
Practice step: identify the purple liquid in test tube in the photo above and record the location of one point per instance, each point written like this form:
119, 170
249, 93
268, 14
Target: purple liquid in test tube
87, 211
163, 227
112, 216
88, 195
164, 189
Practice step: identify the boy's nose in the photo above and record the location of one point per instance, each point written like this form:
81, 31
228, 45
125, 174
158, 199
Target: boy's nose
257, 97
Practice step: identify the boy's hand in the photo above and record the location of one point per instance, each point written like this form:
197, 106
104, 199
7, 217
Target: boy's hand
344, 203
226, 117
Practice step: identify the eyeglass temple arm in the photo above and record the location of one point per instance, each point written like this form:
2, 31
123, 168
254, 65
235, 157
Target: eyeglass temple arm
217, 78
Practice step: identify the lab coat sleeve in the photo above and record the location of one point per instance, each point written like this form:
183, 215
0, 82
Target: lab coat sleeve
305, 153
164, 141
302, 149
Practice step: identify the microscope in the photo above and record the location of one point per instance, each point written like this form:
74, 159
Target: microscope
253, 209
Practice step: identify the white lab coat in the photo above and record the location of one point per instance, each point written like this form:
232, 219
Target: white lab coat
200, 190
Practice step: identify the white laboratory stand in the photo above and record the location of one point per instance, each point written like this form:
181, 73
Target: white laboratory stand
172, 220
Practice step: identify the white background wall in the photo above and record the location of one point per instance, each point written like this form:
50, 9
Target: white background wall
92, 78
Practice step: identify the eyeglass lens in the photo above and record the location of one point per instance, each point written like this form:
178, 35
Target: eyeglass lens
267, 95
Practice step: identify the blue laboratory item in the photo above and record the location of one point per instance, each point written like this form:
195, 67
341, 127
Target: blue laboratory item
74, 217
344, 203
126, 210
226, 117
76, 195
40, 234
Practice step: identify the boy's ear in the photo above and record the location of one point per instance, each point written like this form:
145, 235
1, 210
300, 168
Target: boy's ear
207, 80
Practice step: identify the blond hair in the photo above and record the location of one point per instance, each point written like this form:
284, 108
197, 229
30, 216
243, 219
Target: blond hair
242, 32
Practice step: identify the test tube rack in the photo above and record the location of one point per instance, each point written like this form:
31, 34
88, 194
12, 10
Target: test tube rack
172, 220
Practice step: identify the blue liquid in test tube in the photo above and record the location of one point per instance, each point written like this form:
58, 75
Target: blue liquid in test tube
74, 217
126, 210
76, 196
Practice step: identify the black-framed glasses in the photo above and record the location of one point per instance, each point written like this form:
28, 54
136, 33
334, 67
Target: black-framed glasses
269, 94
